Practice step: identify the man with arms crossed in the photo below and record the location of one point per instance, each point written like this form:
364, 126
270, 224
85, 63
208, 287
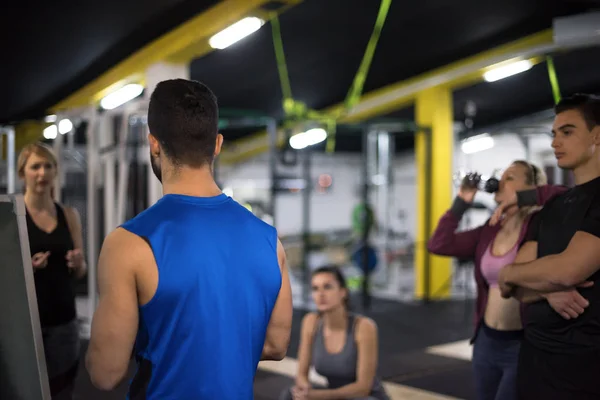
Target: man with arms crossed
560, 356
196, 282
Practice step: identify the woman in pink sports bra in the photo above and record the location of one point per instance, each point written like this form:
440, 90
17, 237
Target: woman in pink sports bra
498, 324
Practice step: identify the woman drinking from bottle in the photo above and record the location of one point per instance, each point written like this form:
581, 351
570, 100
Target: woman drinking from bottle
498, 324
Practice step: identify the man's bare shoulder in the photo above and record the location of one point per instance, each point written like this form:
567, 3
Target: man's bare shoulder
123, 245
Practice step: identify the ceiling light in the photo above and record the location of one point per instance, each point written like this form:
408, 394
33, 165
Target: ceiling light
235, 32
505, 71
477, 143
65, 126
121, 96
51, 132
308, 138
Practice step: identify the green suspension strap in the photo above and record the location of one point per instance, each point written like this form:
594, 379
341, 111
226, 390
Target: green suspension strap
553, 79
286, 87
355, 91
298, 111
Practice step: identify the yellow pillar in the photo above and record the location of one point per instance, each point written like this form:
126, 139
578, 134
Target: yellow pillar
433, 108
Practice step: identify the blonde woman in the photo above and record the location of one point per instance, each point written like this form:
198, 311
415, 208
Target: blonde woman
56, 244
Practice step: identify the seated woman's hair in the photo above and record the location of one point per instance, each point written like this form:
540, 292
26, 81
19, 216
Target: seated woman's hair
535, 175
339, 277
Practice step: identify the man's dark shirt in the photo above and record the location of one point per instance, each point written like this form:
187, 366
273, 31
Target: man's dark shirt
553, 228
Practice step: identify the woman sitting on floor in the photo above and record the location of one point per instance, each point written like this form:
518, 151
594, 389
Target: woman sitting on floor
341, 346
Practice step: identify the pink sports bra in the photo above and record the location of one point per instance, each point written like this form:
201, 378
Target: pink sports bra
491, 264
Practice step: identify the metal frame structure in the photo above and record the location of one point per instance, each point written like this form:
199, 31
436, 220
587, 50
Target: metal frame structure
11, 172
378, 146
107, 154
378, 151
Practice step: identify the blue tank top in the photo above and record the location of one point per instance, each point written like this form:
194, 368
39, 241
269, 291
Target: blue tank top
201, 336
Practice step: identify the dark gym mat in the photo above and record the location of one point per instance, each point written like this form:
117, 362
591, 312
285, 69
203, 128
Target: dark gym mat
456, 382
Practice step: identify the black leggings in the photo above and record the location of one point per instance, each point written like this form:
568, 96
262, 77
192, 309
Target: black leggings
62, 348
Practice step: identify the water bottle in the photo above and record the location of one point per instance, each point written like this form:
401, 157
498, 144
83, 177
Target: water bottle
477, 181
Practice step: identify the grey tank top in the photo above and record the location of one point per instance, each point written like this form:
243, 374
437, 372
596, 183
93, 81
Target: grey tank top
340, 368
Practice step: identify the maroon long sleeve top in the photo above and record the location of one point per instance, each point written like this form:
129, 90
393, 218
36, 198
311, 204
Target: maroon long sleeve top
472, 244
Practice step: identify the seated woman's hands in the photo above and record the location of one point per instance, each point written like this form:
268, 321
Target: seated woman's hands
300, 390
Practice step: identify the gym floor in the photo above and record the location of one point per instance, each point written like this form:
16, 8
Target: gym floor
424, 354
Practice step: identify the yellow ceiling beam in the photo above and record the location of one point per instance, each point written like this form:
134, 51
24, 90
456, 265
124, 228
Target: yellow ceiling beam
182, 44
402, 94
461, 73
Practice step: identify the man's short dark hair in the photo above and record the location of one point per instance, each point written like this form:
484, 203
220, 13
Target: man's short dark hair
183, 116
588, 105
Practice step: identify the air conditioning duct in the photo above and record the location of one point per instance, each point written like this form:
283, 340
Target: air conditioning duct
577, 30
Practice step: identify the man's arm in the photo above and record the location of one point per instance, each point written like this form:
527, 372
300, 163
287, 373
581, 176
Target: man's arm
115, 321
280, 325
560, 271
568, 304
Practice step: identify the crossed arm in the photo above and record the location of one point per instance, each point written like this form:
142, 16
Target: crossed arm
556, 272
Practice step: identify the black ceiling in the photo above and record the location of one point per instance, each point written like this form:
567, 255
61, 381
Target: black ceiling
65, 44
52, 48
323, 59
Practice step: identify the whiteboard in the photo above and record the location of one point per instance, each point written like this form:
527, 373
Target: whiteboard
23, 373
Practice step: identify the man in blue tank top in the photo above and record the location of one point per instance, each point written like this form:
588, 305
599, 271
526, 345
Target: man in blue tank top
195, 286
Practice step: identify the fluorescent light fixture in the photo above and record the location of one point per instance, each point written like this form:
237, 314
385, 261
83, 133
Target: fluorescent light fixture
51, 132
507, 70
50, 119
65, 126
477, 143
121, 96
308, 138
235, 32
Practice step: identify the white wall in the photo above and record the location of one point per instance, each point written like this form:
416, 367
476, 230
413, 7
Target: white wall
507, 148
332, 210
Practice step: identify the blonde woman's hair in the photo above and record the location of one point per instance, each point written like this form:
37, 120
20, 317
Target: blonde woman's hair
535, 175
39, 149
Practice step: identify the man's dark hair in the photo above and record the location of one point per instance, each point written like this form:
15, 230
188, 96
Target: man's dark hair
183, 116
588, 105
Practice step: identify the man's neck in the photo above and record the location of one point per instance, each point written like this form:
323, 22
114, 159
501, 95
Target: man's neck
587, 172
198, 182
